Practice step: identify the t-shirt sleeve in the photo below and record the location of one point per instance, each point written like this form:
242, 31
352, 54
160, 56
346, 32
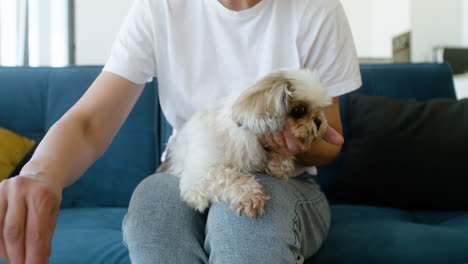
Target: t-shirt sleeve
133, 51
328, 47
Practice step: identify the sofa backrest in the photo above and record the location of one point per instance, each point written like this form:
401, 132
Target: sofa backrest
32, 99
418, 81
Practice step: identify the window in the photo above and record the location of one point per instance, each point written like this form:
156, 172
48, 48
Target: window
36, 32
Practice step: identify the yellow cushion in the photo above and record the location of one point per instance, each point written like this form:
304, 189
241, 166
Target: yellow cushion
13, 149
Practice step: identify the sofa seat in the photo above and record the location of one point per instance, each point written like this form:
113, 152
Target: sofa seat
366, 234
359, 234
89, 226
89, 235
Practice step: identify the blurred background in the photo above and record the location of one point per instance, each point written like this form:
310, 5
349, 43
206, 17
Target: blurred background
81, 32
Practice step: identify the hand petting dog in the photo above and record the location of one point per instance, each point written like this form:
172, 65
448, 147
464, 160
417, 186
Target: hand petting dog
287, 144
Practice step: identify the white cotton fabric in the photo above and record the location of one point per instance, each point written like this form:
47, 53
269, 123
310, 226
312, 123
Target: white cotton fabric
201, 51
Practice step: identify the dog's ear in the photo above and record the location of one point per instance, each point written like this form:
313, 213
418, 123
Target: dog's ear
263, 107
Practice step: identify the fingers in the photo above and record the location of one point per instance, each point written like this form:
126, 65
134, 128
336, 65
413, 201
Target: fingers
3, 208
279, 139
280, 144
333, 137
275, 142
271, 142
13, 227
291, 141
285, 142
39, 225
28, 213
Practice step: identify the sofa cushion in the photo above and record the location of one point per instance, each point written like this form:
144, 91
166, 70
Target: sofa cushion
13, 149
366, 234
32, 99
23, 93
129, 159
89, 235
406, 154
419, 81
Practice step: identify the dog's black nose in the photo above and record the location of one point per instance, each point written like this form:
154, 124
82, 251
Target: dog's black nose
318, 123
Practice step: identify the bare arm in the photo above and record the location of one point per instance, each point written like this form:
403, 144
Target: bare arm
82, 135
29, 203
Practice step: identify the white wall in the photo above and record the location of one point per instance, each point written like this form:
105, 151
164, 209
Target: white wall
375, 22
435, 23
97, 24
464, 23
390, 18
461, 85
360, 20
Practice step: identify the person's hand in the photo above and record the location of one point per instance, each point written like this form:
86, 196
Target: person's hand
287, 144
28, 213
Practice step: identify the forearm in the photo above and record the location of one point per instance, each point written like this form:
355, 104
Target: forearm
82, 135
64, 154
320, 153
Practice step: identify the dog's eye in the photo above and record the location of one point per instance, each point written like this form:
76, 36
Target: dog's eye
299, 112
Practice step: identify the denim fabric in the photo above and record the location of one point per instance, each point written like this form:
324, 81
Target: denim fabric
160, 228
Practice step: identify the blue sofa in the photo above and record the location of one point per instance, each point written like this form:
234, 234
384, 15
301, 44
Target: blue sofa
89, 225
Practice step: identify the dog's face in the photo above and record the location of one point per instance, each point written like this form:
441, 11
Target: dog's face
293, 96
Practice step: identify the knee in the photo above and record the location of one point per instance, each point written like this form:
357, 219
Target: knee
153, 206
293, 227
159, 227
154, 191
268, 238
233, 239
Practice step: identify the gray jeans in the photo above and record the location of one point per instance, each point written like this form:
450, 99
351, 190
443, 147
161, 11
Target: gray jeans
160, 228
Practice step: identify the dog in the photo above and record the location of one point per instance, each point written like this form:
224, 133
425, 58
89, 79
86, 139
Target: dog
217, 152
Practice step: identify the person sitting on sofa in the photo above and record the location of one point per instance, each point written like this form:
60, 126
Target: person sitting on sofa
199, 51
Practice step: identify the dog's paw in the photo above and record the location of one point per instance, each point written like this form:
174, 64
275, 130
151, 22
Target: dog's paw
251, 204
196, 200
279, 166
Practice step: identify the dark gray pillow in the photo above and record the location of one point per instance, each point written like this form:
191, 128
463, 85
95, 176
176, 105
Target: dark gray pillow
406, 154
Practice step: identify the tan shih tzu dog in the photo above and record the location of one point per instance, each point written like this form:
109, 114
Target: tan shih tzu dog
217, 153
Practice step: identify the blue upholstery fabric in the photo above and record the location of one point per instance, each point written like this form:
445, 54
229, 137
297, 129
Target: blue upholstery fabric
23, 95
364, 234
129, 159
418, 81
32, 99
89, 235
89, 225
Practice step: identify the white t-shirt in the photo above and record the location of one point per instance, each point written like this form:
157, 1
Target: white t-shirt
201, 51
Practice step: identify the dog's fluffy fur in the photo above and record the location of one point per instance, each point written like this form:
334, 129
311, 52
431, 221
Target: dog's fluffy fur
217, 152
